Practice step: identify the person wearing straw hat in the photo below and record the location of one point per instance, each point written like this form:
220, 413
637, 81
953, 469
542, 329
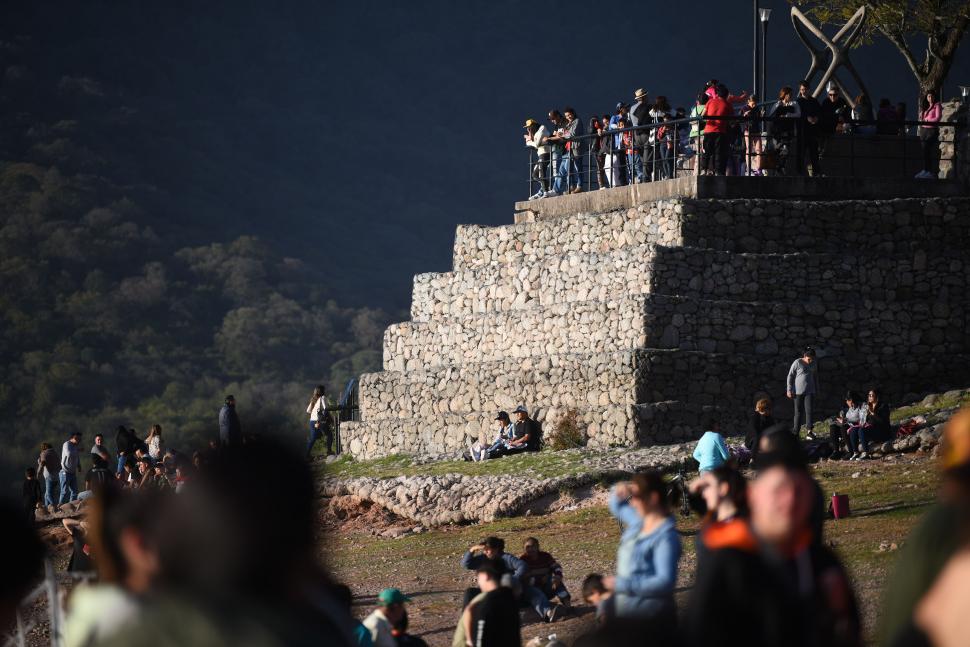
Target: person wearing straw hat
640, 116
535, 137
381, 621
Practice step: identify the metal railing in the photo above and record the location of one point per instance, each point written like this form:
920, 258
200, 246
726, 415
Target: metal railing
753, 145
50, 589
347, 409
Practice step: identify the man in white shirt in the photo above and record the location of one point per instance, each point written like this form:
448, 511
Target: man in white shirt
70, 464
382, 619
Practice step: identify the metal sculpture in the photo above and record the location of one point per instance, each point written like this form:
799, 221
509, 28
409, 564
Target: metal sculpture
838, 51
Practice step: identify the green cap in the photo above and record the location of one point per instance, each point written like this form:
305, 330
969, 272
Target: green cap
392, 596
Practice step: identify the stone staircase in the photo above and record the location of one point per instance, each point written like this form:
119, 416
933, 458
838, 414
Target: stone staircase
651, 318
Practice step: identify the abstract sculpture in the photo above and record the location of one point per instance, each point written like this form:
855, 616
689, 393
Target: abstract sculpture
838, 51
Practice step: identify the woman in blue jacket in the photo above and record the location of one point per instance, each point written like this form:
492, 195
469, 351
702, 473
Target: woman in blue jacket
646, 560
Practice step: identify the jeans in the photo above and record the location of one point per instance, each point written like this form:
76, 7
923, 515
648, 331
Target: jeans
555, 166
635, 166
121, 464
49, 496
540, 172
801, 399
857, 437
931, 147
567, 175
68, 487
537, 599
667, 162
316, 433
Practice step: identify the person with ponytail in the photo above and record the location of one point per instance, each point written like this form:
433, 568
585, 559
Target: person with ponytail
319, 420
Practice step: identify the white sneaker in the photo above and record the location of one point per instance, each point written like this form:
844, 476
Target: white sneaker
863, 456
535, 196
550, 194
853, 457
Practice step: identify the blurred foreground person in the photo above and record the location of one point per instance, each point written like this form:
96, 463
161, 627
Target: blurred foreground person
390, 610
492, 620
646, 560
769, 581
19, 574
725, 495
237, 560
933, 553
122, 531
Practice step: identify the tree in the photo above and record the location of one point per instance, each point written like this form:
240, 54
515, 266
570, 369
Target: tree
942, 23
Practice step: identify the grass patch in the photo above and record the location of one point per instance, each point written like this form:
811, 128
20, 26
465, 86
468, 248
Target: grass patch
903, 413
535, 465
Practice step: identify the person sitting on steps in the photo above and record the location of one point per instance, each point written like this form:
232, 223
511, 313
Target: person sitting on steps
478, 452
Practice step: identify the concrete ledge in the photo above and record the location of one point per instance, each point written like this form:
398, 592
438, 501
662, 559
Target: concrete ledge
736, 188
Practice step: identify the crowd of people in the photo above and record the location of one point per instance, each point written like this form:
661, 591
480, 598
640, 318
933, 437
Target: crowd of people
722, 134
176, 569
136, 463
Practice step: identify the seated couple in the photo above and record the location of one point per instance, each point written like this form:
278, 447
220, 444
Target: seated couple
524, 435
858, 424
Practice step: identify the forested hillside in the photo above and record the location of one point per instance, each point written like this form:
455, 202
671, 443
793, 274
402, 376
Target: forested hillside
120, 303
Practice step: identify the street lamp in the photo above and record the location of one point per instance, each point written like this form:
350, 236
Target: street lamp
754, 59
764, 15
965, 93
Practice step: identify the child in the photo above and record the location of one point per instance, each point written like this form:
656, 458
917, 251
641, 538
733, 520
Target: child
711, 451
595, 593
32, 494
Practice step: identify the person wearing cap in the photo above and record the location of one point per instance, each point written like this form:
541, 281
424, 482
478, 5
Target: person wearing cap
381, 621
526, 435
935, 540
70, 464
768, 580
504, 434
802, 387
535, 137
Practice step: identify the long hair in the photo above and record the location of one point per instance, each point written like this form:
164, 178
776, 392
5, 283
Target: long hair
156, 430
318, 393
737, 487
650, 482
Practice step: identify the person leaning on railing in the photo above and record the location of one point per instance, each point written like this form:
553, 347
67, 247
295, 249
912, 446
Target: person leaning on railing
930, 137
716, 133
535, 137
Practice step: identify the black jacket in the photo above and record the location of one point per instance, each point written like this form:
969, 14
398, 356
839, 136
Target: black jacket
230, 431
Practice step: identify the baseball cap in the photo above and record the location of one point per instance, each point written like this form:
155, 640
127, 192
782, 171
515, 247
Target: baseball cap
502, 415
530, 122
392, 596
521, 409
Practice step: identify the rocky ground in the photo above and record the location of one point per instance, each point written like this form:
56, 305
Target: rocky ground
400, 522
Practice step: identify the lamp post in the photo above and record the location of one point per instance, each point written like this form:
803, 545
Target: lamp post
764, 15
965, 93
754, 59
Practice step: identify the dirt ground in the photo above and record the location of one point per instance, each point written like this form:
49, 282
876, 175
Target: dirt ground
887, 498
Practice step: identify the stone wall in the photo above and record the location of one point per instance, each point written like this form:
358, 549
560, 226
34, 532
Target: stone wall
650, 319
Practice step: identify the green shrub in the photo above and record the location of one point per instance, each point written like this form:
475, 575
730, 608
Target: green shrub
567, 432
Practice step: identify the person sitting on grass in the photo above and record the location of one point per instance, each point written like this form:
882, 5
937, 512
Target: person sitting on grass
596, 593
544, 572
848, 421
381, 621
493, 548
526, 435
478, 451
711, 451
875, 425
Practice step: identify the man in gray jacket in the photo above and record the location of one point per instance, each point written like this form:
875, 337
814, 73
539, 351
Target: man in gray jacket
803, 387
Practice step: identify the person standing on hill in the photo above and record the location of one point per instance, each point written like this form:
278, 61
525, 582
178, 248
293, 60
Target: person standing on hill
230, 431
70, 464
48, 466
802, 388
155, 443
319, 420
